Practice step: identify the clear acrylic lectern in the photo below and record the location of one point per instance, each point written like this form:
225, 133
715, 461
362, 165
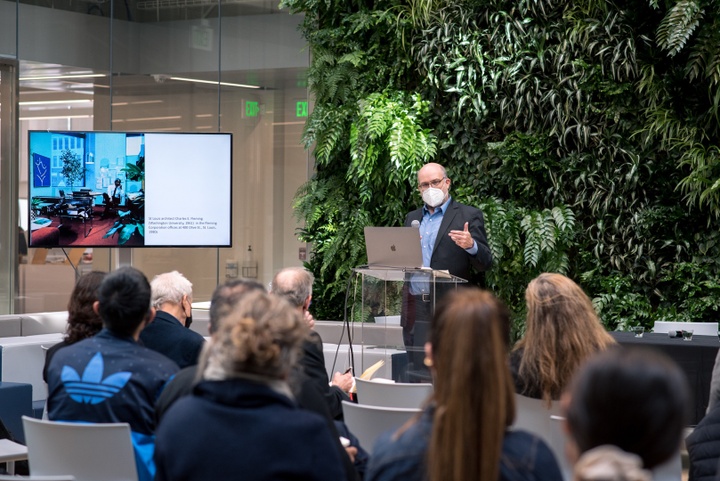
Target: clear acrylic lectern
393, 313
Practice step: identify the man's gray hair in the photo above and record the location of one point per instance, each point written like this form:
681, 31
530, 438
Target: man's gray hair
294, 284
170, 287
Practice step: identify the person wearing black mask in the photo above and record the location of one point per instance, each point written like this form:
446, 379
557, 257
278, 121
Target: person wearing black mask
168, 334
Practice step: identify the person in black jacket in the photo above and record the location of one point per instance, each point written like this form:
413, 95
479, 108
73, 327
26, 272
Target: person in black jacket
294, 284
634, 399
169, 332
453, 239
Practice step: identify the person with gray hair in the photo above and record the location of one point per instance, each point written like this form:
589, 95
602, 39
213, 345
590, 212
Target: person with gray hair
169, 333
294, 284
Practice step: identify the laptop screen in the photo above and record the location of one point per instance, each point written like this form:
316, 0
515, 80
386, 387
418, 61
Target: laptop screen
393, 247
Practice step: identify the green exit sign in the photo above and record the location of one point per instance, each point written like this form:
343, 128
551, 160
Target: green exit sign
301, 108
252, 108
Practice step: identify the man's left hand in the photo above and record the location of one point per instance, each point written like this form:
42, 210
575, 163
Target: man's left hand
462, 237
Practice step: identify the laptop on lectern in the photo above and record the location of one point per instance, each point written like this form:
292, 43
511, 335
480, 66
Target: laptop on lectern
393, 247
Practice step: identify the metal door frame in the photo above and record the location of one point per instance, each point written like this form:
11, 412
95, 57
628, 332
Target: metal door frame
9, 182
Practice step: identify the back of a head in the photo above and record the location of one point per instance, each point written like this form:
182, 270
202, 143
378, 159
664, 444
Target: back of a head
632, 398
474, 394
170, 287
562, 330
124, 298
83, 321
226, 296
261, 336
293, 284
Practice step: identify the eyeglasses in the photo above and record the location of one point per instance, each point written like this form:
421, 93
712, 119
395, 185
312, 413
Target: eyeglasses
433, 183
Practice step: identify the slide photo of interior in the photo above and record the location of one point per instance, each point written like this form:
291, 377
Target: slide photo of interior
86, 189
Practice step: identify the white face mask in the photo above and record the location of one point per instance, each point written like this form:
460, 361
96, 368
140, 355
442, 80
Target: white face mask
433, 197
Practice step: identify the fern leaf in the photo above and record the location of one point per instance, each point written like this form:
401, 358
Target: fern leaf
678, 26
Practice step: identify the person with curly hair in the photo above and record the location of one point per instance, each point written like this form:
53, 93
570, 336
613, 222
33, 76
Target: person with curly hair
241, 420
83, 321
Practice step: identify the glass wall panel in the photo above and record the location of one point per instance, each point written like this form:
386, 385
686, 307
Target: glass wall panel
164, 66
8, 28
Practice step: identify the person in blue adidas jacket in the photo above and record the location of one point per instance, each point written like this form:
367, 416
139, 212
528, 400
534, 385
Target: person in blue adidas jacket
110, 378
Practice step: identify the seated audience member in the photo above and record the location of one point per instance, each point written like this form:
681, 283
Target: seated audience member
463, 433
83, 321
308, 395
169, 332
223, 299
294, 284
110, 378
625, 410
240, 420
562, 331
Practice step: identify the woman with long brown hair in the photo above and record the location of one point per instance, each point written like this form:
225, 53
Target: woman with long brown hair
562, 331
83, 321
463, 433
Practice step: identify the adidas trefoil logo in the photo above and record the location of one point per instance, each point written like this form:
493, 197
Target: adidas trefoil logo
92, 388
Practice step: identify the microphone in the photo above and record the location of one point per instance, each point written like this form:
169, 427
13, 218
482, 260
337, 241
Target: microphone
415, 223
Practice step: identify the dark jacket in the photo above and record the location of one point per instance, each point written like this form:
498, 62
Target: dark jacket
238, 428
49, 355
309, 394
524, 456
703, 446
110, 379
166, 335
526, 386
449, 256
313, 365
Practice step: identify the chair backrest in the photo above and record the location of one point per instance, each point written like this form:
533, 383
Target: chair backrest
534, 416
698, 328
44, 323
396, 395
22, 359
367, 423
87, 451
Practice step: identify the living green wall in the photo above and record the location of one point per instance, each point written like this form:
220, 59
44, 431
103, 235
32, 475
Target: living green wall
586, 131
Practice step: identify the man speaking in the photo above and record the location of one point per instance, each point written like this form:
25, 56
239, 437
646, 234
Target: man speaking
453, 239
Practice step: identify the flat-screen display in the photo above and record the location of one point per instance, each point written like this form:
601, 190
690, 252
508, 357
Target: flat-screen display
131, 189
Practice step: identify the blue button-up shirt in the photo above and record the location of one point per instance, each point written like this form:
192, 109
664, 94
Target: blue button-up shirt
429, 228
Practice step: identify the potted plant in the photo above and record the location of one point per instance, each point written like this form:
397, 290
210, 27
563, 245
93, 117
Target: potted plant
136, 172
73, 169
